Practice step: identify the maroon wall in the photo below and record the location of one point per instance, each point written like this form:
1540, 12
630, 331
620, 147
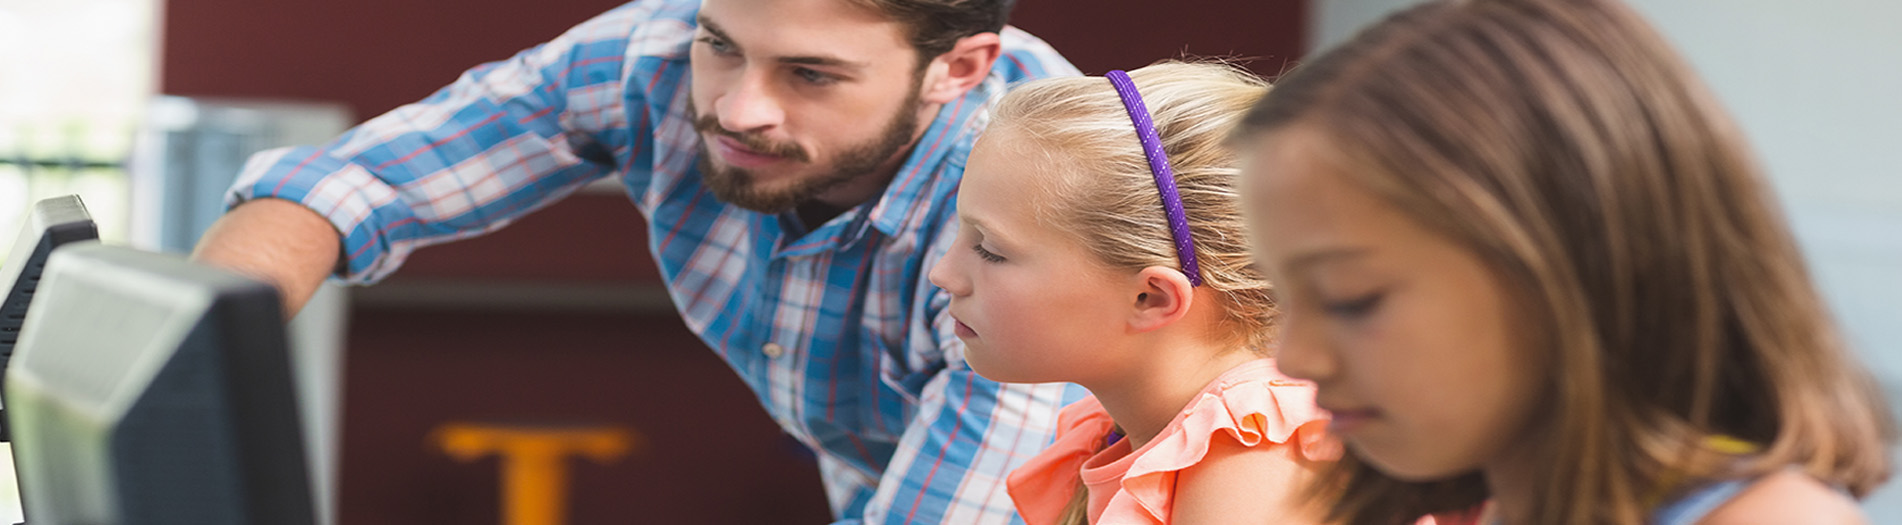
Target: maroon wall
372, 54
717, 459
1101, 35
378, 54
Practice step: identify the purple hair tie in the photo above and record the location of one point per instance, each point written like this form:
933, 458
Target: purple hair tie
1159, 167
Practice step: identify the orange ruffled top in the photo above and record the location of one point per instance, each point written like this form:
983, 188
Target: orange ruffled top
1252, 404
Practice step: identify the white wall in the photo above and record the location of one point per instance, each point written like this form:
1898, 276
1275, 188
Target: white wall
1817, 86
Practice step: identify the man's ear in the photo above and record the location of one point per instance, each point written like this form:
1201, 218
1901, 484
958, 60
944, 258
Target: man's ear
1163, 296
957, 71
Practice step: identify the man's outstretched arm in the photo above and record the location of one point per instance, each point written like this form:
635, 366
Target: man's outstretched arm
505, 139
276, 241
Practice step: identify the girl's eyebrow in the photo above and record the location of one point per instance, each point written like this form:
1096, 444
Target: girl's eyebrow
986, 231
967, 221
1311, 259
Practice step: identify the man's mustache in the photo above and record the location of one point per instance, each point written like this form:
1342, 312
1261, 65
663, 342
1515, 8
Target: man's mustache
709, 124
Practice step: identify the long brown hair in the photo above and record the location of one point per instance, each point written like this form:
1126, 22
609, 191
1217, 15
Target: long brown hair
1566, 144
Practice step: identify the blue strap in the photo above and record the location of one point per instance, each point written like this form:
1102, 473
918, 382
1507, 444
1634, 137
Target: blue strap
1694, 506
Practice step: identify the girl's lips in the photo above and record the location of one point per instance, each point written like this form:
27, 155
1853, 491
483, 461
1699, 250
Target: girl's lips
964, 331
1346, 421
738, 155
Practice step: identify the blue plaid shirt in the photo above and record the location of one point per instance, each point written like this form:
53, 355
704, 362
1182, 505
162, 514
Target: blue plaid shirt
838, 332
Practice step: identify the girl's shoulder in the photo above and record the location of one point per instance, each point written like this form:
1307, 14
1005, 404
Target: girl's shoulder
1251, 436
1237, 483
1253, 405
1788, 496
1246, 448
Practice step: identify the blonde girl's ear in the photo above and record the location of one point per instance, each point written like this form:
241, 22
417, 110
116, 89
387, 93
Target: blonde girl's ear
1162, 296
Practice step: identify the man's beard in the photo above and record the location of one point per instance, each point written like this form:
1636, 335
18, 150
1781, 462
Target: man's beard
740, 188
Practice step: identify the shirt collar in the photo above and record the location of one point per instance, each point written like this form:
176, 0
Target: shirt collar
946, 142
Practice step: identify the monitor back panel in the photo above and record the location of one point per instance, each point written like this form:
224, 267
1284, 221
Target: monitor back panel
150, 390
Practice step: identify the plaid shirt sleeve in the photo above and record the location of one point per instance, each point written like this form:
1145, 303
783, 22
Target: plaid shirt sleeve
505, 139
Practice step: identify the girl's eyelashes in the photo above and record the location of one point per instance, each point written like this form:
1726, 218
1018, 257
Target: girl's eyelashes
1354, 309
986, 255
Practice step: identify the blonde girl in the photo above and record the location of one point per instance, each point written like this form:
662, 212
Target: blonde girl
1526, 258
1099, 248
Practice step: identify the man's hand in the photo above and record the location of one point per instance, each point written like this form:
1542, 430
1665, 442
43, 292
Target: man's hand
276, 241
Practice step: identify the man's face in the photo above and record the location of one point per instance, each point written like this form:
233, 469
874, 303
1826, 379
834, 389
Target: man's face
801, 100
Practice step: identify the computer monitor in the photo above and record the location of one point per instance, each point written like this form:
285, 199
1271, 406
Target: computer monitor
52, 223
148, 389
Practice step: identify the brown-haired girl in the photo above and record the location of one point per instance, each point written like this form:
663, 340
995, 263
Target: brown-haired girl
1527, 259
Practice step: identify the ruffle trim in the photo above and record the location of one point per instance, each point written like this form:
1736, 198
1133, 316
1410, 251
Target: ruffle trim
1254, 405
1043, 485
1253, 411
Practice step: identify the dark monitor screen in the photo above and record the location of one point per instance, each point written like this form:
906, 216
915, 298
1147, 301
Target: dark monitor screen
147, 389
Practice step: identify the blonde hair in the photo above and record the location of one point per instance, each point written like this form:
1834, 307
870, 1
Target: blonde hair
1568, 146
1103, 194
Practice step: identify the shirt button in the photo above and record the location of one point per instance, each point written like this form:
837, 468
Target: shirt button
773, 350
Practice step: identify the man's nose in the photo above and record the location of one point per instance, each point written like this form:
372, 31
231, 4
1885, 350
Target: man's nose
750, 106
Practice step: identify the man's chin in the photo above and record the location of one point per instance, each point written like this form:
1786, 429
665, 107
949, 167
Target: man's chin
756, 201
741, 188
756, 179
766, 206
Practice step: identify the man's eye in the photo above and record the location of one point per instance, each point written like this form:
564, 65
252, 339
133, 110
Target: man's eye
718, 46
815, 77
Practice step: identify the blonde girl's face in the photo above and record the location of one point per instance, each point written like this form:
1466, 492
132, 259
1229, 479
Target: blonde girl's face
1409, 336
1031, 304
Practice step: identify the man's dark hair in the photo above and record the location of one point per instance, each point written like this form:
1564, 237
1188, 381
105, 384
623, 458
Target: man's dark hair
934, 26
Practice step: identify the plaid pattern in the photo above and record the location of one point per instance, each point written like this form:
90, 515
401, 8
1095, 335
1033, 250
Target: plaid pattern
837, 330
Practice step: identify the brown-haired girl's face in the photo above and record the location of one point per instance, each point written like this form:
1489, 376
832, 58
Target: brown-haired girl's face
1409, 336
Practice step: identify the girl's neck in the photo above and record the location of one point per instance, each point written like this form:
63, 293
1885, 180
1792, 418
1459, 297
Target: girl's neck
1512, 484
1150, 395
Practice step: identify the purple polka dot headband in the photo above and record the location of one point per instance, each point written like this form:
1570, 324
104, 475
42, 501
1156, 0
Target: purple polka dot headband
1159, 167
